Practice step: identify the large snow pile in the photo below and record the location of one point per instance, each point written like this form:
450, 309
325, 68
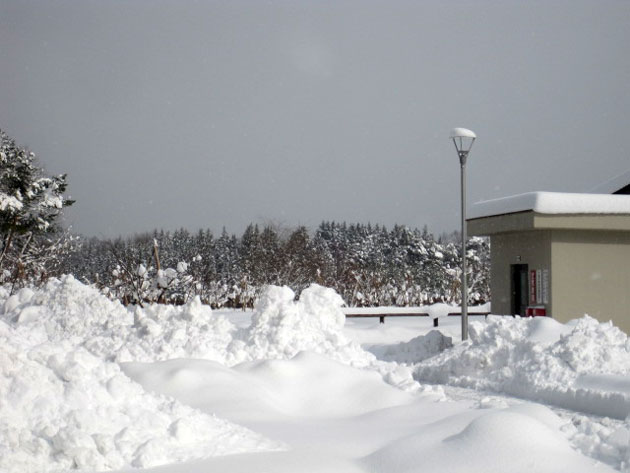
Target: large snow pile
65, 403
584, 367
70, 310
62, 408
282, 327
67, 309
163, 332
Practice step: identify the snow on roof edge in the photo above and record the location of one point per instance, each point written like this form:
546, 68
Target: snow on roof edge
613, 184
553, 203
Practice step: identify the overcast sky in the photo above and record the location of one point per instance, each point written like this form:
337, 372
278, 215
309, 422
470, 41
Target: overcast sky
204, 114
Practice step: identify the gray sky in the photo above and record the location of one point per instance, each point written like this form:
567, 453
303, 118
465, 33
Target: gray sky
209, 113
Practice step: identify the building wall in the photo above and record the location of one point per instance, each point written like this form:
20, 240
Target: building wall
588, 258
591, 274
532, 248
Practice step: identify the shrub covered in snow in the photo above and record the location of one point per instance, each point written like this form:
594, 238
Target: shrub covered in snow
367, 265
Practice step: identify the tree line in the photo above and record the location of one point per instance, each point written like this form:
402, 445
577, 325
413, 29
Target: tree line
368, 265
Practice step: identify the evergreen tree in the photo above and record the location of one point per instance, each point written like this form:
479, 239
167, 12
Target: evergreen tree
31, 204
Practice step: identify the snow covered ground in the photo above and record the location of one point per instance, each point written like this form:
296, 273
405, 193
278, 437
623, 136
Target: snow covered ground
292, 387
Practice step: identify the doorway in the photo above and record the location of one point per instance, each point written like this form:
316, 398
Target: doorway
520, 288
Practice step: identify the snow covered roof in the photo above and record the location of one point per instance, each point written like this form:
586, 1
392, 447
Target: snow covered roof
553, 203
612, 185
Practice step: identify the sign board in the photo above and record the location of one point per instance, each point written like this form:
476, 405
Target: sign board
532, 286
545, 286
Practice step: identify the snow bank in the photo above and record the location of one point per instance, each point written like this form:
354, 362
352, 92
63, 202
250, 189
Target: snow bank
517, 439
80, 314
68, 310
163, 332
282, 327
65, 404
512, 356
63, 408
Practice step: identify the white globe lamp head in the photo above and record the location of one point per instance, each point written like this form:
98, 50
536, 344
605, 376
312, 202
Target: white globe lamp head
463, 140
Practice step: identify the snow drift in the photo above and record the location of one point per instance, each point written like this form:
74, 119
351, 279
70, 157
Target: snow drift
584, 366
65, 403
280, 327
63, 408
527, 437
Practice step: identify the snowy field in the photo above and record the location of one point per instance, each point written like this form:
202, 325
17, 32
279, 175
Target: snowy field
292, 387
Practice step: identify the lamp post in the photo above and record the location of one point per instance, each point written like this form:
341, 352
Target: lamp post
463, 140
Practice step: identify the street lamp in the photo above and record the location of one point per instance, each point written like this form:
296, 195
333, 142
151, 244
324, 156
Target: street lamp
463, 140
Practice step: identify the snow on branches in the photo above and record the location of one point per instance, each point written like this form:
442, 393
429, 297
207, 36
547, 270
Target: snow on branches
367, 265
31, 204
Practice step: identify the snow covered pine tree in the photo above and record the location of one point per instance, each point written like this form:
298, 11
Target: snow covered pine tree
30, 205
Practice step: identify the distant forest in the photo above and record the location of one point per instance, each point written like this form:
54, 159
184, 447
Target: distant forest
368, 265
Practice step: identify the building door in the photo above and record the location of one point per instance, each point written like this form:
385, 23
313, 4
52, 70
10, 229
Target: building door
520, 288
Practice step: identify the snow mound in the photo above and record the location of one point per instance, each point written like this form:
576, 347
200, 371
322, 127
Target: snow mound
511, 355
267, 389
514, 440
419, 348
282, 327
72, 311
68, 310
164, 332
63, 408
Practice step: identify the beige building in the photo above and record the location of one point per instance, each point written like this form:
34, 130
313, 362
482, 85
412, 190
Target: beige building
556, 254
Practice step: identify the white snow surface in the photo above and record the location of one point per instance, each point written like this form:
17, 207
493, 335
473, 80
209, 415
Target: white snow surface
88, 384
63, 408
585, 367
553, 203
280, 327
